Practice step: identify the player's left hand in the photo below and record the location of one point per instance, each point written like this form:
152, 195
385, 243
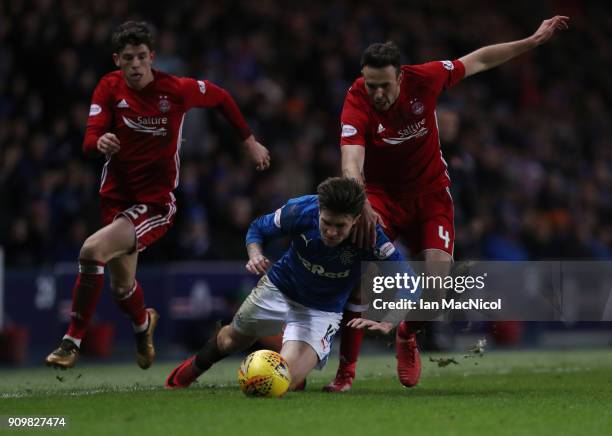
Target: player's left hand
548, 27
258, 264
258, 153
367, 324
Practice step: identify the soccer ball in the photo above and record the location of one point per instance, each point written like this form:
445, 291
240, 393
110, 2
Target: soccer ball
264, 373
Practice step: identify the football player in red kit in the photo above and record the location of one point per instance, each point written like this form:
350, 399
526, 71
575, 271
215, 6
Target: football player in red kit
390, 143
135, 122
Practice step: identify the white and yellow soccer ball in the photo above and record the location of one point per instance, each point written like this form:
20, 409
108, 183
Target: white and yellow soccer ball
264, 373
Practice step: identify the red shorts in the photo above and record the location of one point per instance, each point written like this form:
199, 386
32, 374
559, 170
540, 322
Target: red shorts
151, 221
423, 222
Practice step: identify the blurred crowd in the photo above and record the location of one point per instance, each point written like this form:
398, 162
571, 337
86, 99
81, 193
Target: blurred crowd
529, 144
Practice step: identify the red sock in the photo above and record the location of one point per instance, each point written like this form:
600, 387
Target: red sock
133, 305
411, 327
350, 344
85, 295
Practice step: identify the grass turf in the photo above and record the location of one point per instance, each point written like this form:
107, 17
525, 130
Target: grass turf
501, 393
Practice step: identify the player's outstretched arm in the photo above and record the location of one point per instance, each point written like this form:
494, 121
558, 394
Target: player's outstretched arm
258, 153
202, 93
493, 55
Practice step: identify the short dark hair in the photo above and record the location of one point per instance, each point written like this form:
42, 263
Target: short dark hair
132, 32
381, 55
341, 195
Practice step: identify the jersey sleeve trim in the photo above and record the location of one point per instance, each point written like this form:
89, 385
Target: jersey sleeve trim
277, 217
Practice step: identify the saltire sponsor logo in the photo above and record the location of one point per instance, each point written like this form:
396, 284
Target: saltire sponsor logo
415, 130
395, 141
143, 127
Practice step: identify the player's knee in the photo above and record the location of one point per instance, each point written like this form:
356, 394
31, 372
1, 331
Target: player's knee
91, 250
229, 340
226, 340
436, 256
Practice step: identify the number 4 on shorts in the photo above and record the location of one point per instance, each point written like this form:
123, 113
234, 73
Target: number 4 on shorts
443, 234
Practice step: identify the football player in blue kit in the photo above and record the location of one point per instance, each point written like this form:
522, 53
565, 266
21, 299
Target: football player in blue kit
305, 291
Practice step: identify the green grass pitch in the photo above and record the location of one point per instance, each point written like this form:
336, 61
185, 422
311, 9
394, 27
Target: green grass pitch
500, 393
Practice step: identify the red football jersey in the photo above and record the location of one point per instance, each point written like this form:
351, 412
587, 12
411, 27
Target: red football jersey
148, 124
402, 146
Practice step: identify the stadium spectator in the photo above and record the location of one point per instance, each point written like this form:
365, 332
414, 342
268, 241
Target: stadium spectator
536, 114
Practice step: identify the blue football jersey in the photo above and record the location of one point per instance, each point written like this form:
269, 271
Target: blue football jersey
310, 272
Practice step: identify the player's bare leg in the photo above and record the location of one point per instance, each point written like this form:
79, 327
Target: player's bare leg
301, 358
223, 342
130, 298
437, 262
107, 243
275, 343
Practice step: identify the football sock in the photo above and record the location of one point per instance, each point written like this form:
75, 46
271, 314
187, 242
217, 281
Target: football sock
85, 295
133, 305
412, 327
350, 344
209, 354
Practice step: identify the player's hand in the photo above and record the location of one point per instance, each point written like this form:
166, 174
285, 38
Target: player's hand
108, 144
258, 264
258, 153
374, 326
548, 28
364, 233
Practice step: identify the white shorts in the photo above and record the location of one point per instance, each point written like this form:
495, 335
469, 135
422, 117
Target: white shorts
267, 310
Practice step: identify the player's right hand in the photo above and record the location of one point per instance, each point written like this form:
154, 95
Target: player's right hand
258, 264
374, 326
548, 28
108, 144
364, 233
258, 153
